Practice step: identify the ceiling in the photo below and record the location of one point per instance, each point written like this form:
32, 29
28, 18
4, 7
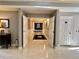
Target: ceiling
40, 11
8, 9
40, 6
65, 1
51, 3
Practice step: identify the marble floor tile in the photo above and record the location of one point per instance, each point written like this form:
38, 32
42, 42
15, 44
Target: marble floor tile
40, 53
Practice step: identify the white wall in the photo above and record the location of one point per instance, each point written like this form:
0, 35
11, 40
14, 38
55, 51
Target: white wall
13, 18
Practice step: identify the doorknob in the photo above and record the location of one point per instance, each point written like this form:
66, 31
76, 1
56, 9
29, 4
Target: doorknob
69, 32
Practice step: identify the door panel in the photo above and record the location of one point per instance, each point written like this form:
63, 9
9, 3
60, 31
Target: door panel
51, 31
25, 31
76, 30
66, 30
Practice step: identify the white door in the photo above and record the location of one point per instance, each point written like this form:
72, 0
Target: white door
76, 30
66, 25
25, 31
51, 31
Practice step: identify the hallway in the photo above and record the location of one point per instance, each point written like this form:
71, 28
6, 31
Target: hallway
38, 37
39, 53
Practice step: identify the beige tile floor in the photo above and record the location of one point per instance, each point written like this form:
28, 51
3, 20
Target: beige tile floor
35, 43
39, 53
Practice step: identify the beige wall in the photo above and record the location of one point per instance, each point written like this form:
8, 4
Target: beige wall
13, 17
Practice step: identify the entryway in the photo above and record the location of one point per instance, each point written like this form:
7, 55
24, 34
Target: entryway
38, 31
39, 27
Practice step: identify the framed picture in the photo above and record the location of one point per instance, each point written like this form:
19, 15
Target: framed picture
4, 23
38, 26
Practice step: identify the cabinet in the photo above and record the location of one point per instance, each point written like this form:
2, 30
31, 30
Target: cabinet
5, 40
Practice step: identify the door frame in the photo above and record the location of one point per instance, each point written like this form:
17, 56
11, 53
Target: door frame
54, 32
54, 41
22, 30
55, 22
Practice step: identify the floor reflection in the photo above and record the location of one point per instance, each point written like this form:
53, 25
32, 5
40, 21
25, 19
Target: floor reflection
39, 53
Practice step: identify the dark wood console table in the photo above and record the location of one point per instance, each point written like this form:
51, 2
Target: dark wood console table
5, 40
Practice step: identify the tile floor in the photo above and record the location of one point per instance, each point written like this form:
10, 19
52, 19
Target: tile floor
40, 53
35, 43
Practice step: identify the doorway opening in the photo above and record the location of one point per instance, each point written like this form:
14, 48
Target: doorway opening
39, 30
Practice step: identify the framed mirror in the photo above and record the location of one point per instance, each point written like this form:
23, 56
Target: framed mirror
38, 26
4, 23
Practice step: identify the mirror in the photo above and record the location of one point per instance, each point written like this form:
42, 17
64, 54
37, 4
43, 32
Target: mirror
38, 26
4, 23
